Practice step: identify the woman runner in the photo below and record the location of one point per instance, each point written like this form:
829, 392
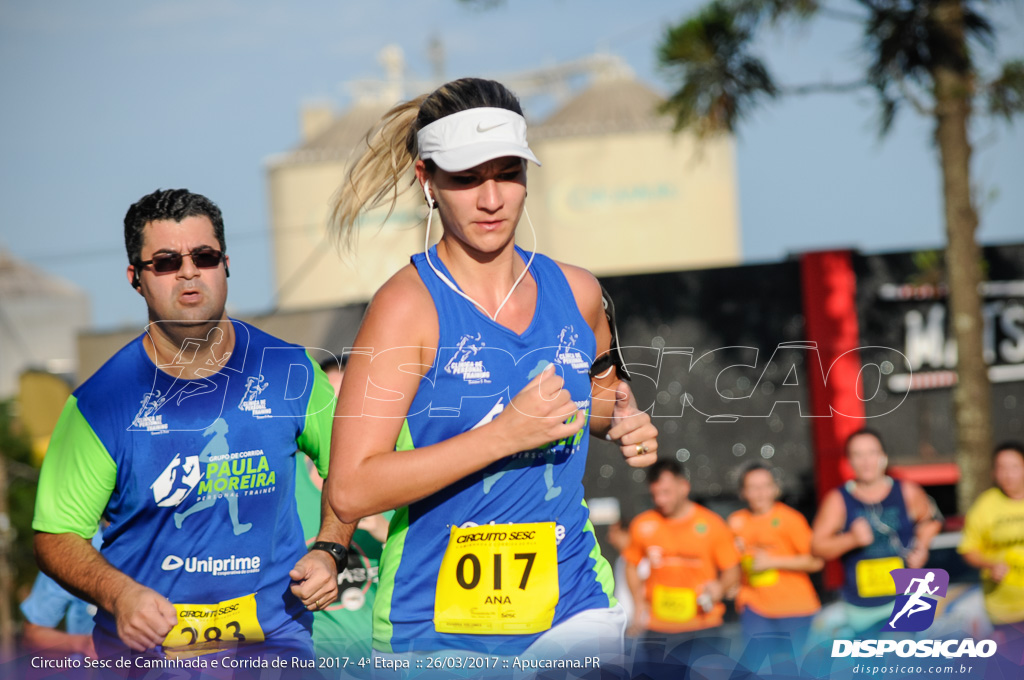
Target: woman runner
467, 401
873, 524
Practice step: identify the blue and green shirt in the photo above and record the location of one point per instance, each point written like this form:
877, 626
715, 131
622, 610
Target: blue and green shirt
197, 477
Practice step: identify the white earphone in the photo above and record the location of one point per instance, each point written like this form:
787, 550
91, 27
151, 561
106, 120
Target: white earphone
426, 193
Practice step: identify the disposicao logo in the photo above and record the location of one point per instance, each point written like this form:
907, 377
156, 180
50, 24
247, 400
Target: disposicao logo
914, 610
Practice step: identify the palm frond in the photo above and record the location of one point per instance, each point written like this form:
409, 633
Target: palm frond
722, 82
751, 12
1006, 93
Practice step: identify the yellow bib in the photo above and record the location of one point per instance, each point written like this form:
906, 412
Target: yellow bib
759, 579
209, 628
873, 578
498, 579
674, 605
1015, 560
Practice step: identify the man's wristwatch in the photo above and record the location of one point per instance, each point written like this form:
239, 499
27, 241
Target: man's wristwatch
335, 550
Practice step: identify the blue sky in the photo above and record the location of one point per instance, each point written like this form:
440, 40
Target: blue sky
104, 102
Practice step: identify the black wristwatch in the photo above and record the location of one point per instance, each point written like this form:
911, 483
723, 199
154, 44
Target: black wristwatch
335, 550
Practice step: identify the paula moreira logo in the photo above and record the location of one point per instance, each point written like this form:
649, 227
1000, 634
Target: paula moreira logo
914, 610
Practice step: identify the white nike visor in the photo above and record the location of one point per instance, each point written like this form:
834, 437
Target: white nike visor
468, 138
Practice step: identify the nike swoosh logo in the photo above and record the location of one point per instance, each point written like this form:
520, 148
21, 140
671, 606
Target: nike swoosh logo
480, 126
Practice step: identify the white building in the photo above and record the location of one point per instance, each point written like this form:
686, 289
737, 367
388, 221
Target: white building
40, 315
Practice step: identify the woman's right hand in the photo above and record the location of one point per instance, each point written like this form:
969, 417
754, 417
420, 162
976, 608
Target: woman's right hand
537, 415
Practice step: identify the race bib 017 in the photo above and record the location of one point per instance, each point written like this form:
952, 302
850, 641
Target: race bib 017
498, 579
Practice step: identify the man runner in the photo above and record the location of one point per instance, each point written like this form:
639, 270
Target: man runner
171, 425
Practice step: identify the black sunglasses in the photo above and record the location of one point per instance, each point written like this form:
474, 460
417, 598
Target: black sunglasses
202, 258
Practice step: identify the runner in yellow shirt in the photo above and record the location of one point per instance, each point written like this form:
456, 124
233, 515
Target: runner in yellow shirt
994, 543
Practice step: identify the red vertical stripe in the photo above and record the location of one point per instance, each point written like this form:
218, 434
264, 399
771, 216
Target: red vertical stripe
829, 289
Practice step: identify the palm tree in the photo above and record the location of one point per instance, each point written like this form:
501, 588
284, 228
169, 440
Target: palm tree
920, 54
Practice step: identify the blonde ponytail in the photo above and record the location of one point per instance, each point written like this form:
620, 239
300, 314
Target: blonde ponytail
373, 180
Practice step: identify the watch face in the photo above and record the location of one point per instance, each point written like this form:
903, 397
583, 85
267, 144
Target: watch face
335, 550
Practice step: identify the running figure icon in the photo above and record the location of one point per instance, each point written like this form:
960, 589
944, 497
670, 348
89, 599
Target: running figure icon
915, 604
218, 446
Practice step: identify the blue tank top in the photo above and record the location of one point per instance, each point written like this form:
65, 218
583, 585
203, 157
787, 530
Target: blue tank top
893, 531
480, 365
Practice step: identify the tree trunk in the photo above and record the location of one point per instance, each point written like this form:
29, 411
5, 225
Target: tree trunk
972, 396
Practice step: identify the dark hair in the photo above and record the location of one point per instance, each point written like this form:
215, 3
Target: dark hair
662, 466
167, 204
375, 177
862, 431
1008, 446
756, 465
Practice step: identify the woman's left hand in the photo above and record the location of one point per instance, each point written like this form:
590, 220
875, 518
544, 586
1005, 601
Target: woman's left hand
632, 429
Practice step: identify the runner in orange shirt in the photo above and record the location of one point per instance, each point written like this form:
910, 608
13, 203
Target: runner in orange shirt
776, 595
692, 556
694, 563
